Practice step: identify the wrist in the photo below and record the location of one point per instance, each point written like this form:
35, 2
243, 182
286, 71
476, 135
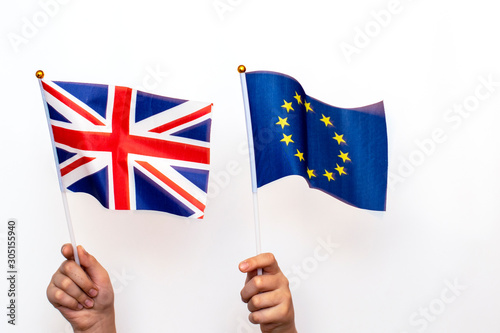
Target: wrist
289, 328
292, 329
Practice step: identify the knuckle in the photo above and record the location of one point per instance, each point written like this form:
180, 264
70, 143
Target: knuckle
59, 295
66, 283
258, 282
256, 302
269, 256
67, 267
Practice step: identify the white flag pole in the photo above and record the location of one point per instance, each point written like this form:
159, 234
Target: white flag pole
251, 151
40, 75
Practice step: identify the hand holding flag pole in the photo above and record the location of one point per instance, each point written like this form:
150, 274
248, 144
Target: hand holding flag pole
242, 70
324, 136
40, 75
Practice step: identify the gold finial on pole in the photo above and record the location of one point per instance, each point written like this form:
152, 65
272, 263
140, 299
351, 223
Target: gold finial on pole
39, 74
242, 69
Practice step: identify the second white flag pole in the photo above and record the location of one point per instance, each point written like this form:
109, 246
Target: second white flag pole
253, 173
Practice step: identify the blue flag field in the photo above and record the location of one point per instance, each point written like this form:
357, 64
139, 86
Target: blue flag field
340, 151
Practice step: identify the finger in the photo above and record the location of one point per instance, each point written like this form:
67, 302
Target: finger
273, 314
58, 298
79, 277
94, 269
259, 284
266, 261
266, 300
70, 288
67, 251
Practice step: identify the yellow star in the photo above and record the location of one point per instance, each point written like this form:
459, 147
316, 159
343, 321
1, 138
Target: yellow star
298, 98
310, 173
299, 155
339, 138
329, 175
282, 122
326, 120
344, 156
287, 139
308, 107
340, 170
287, 106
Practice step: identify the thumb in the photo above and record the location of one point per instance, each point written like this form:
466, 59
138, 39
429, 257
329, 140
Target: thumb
265, 261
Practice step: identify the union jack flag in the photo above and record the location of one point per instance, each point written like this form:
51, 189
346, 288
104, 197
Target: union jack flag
129, 149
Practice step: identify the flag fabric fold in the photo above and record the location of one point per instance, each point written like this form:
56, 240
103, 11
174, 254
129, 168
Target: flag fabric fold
129, 149
340, 151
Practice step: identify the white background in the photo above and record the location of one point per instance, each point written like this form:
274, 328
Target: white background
390, 272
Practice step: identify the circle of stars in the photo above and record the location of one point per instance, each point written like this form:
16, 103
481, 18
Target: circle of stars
327, 121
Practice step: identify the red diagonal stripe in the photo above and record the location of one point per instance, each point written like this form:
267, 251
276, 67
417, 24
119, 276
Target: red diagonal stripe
190, 117
172, 185
72, 105
78, 163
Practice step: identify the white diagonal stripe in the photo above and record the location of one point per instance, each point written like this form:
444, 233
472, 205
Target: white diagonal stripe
167, 116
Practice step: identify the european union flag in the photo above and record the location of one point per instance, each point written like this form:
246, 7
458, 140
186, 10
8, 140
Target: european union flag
342, 152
